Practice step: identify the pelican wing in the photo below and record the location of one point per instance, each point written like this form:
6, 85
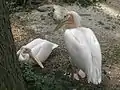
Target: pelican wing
95, 53
94, 47
34, 43
78, 49
42, 51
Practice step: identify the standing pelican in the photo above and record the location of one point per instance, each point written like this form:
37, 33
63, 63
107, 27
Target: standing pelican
83, 47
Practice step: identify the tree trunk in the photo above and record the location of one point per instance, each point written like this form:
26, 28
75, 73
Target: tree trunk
10, 74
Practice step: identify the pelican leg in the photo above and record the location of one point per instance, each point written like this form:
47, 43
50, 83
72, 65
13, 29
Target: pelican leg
75, 76
74, 73
81, 74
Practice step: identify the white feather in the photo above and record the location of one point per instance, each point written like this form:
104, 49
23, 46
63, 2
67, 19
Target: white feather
85, 52
40, 50
84, 49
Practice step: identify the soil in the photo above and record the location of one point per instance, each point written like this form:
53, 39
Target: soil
102, 19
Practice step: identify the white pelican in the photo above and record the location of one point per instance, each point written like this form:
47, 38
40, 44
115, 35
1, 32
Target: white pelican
36, 51
83, 47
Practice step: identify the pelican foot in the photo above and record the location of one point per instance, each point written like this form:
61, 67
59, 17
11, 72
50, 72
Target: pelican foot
75, 76
81, 74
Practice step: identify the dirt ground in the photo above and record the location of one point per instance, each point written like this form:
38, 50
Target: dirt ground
103, 20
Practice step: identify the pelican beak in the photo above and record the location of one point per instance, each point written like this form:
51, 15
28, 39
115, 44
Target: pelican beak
62, 22
39, 62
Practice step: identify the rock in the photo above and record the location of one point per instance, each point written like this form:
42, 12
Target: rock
101, 23
44, 8
59, 12
107, 27
114, 3
50, 14
43, 17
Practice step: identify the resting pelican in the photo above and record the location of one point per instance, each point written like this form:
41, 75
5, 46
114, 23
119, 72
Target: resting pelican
36, 51
83, 47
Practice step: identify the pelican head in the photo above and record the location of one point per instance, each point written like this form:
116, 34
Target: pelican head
71, 20
24, 54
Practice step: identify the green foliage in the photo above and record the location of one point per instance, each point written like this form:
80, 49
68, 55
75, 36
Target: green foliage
83, 3
20, 2
86, 3
55, 80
